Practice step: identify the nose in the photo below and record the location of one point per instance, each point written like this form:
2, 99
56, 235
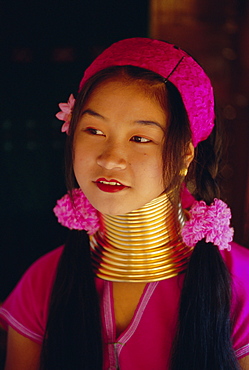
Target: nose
112, 157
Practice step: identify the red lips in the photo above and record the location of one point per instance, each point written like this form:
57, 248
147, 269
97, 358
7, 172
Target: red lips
109, 186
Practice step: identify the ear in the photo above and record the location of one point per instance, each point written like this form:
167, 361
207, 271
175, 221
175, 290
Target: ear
189, 155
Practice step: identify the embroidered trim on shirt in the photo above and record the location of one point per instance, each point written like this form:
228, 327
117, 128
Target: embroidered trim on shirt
242, 351
150, 288
19, 327
115, 345
109, 324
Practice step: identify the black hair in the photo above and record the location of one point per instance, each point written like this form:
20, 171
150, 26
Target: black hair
73, 337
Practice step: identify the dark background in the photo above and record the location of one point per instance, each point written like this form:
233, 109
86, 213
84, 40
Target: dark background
45, 47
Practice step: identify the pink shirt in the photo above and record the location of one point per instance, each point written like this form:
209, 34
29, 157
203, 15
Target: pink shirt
146, 343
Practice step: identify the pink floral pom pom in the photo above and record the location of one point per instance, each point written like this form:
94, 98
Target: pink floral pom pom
77, 213
66, 113
209, 222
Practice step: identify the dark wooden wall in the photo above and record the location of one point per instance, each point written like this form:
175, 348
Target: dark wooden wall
216, 33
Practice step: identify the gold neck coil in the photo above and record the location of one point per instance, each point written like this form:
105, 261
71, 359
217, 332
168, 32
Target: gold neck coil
144, 245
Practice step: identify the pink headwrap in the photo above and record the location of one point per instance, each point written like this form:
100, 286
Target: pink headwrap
172, 64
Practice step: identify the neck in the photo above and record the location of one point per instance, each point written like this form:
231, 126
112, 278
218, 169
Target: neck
143, 245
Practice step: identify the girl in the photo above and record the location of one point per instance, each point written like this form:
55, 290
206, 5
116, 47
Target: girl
140, 283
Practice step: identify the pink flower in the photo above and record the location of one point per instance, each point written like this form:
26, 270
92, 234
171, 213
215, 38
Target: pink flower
66, 113
77, 213
209, 222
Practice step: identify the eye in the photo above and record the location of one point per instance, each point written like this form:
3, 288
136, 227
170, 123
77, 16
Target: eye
140, 139
93, 131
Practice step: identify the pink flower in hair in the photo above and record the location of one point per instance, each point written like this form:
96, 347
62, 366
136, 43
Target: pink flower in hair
77, 213
66, 113
209, 222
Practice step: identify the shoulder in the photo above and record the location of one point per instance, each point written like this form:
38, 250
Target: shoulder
26, 308
46, 264
39, 277
237, 261
41, 272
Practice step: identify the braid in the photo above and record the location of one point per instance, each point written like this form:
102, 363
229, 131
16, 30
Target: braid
206, 169
203, 339
73, 339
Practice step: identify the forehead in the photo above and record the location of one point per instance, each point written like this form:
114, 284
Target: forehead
122, 93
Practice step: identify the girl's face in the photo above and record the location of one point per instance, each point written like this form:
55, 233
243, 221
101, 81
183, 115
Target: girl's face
118, 146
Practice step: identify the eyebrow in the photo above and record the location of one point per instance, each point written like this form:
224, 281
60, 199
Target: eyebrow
141, 122
92, 113
149, 123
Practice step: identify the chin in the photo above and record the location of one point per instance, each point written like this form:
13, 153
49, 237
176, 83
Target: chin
113, 209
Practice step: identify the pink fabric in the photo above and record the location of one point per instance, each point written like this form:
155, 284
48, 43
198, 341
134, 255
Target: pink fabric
187, 198
26, 308
146, 343
174, 65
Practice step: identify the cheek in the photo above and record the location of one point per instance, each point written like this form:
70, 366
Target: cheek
149, 165
158, 169
82, 151
80, 163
